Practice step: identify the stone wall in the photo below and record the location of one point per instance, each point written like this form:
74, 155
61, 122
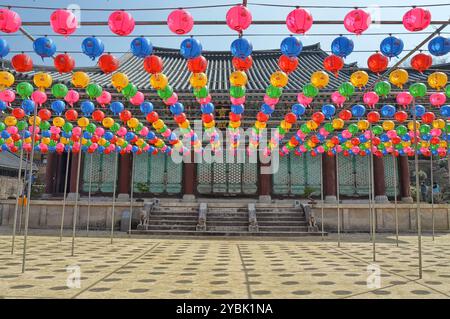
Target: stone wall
8, 187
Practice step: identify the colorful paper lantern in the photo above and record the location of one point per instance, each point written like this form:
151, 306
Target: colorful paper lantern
421, 62
108, 63
342, 46
44, 47
190, 48
72, 97
338, 99
399, 77
437, 99
59, 90
93, 47
437, 80
371, 98
153, 64
141, 47
357, 21
238, 18
104, 98
22, 63
63, 22
24, 89
4, 48
291, 46
121, 23
64, 63
42, 80
404, 99
180, 21
241, 48
391, 46
418, 90
299, 21
10, 21
80, 79
320, 79
439, 46
242, 64
333, 64
416, 19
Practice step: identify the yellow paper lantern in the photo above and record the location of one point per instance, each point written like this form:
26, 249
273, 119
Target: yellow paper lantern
42, 80
140, 142
260, 125
359, 79
102, 141
320, 79
83, 141
198, 80
411, 125
80, 79
83, 122
119, 81
312, 125
285, 125
209, 124
10, 121
36, 120
439, 123
58, 121
159, 143
279, 79
443, 144
158, 81
184, 124
399, 77
235, 124
158, 124
6, 79
388, 125
133, 122
437, 80
107, 122
238, 78
337, 124
64, 140
363, 125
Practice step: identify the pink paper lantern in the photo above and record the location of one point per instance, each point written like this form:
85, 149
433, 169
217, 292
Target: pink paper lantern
60, 147
302, 99
137, 99
39, 97
237, 100
99, 131
104, 98
122, 131
55, 129
437, 99
416, 19
357, 21
121, 23
180, 21
72, 97
239, 18
144, 132
371, 98
7, 96
269, 100
338, 99
299, 21
12, 129
171, 100
404, 99
204, 100
10, 21
63, 22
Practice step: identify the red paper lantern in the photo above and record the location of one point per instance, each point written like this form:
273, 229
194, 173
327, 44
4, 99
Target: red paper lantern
179, 118
197, 65
287, 64
428, 117
18, 113
377, 63
64, 63
421, 62
345, 115
333, 64
71, 115
125, 115
207, 118
108, 63
98, 115
235, 117
45, 114
401, 116
262, 117
417, 19
242, 64
318, 117
22, 63
291, 118
153, 64
152, 117
373, 117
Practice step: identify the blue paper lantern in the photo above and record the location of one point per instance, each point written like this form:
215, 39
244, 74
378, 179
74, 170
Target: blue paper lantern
445, 110
237, 108
108, 135
151, 135
420, 110
129, 136
44, 47
4, 48
328, 110
177, 108
146, 107
190, 48
291, 46
388, 110
87, 107
93, 47
28, 106
241, 48
342, 46
358, 110
3, 106
391, 46
298, 109
87, 135
58, 107
207, 108
116, 107
267, 109
439, 46
141, 47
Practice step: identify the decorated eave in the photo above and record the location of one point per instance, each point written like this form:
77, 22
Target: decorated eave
218, 71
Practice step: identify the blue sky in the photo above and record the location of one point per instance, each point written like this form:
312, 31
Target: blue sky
364, 42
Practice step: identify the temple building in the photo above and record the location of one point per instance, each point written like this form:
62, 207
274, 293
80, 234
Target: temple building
159, 176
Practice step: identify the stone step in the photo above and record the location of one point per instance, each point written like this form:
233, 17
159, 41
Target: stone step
281, 223
227, 228
225, 234
272, 228
175, 211
172, 216
171, 227
173, 222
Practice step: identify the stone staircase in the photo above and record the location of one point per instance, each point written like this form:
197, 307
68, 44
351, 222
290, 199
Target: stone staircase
226, 219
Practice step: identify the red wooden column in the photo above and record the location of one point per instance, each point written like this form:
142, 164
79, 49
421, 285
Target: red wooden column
329, 178
189, 177
124, 176
50, 175
379, 180
404, 179
264, 182
73, 172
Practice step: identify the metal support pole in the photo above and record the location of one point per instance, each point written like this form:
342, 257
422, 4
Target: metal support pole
30, 180
432, 195
64, 196
321, 194
416, 169
16, 209
131, 191
374, 217
24, 185
75, 207
89, 195
394, 166
113, 206
338, 199
369, 172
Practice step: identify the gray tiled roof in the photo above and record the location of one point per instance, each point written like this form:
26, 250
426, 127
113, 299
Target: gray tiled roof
11, 161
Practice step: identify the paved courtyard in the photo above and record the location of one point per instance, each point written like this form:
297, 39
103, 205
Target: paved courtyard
144, 267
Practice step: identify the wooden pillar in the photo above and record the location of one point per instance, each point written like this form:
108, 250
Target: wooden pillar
379, 180
264, 182
50, 174
73, 172
189, 178
329, 178
404, 179
124, 175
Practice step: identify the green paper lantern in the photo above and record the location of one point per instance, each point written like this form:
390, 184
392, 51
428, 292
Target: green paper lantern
129, 91
237, 91
353, 128
424, 129
346, 89
305, 129
21, 125
93, 90
115, 127
139, 127
382, 88
165, 93
418, 90
377, 130
274, 92
3, 126
44, 125
310, 90
67, 127
401, 130
201, 93
328, 127
25, 89
91, 128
